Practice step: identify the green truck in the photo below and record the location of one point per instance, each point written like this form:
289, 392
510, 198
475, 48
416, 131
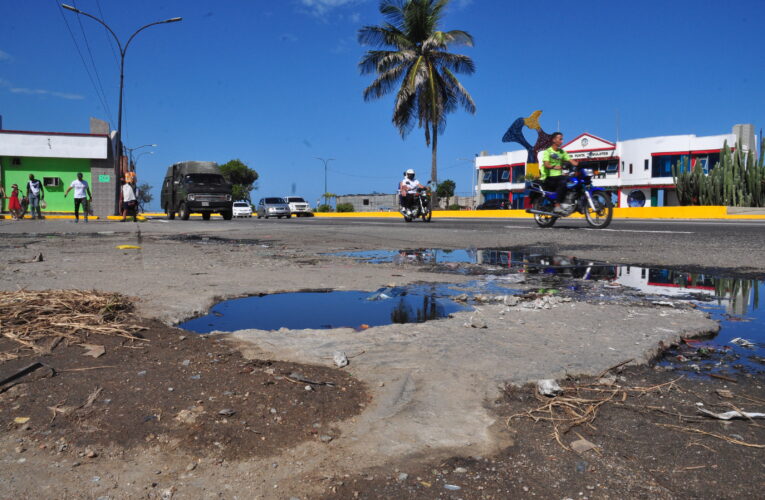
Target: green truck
196, 187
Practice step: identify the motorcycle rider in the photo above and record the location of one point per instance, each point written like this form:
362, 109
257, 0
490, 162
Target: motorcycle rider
404, 187
553, 160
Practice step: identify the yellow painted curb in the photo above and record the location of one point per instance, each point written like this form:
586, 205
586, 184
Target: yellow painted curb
51, 217
130, 218
695, 212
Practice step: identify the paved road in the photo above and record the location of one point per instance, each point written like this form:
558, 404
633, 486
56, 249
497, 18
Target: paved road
735, 246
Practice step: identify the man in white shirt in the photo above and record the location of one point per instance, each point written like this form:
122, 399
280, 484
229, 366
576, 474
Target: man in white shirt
129, 201
408, 184
35, 195
82, 196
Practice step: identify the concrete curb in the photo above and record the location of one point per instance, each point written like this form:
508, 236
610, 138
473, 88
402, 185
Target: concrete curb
711, 212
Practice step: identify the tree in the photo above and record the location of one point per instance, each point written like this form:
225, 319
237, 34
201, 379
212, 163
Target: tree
241, 177
446, 190
417, 64
144, 195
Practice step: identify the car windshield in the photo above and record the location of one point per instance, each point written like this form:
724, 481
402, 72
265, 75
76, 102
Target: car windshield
241, 204
295, 199
274, 201
204, 179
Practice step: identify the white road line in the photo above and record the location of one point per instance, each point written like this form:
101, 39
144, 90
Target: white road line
637, 231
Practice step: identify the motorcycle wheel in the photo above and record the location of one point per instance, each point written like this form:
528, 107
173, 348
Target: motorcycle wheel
601, 217
407, 218
427, 216
544, 220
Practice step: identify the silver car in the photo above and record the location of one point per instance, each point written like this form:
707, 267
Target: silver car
273, 207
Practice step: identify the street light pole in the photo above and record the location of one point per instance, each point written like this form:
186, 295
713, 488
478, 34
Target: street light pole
325, 160
123, 50
130, 151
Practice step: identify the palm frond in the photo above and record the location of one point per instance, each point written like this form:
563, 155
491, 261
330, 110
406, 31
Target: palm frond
383, 36
464, 97
456, 62
384, 83
459, 37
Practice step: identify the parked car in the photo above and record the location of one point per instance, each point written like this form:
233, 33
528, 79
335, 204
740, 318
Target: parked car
242, 209
298, 206
195, 186
273, 207
496, 204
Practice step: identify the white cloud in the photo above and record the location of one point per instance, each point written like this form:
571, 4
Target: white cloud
322, 7
461, 4
54, 93
5, 56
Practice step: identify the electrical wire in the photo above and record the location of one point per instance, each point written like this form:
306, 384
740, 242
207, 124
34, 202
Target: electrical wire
93, 62
82, 58
106, 33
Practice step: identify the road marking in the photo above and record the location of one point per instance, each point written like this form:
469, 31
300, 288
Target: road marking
637, 231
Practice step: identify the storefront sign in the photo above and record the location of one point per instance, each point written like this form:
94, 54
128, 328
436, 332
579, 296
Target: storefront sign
104, 178
591, 154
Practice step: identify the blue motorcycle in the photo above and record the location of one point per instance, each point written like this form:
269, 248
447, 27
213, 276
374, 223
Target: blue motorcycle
581, 196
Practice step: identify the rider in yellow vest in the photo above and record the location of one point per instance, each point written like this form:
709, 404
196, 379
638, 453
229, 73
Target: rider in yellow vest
551, 172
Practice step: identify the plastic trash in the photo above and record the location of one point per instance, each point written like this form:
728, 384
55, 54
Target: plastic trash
340, 359
729, 415
549, 387
742, 342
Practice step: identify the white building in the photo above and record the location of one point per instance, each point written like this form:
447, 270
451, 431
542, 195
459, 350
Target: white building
638, 172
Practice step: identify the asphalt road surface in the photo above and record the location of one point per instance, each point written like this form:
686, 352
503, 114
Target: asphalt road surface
734, 247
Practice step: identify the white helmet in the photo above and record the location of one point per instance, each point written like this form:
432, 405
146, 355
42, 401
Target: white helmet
410, 173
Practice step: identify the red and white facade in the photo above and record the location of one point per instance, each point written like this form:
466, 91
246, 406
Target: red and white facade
637, 172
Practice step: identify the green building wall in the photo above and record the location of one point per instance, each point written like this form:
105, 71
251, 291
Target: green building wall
65, 169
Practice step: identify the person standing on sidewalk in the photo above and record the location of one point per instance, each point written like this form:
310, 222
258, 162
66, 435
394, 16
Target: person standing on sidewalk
129, 201
14, 206
81, 190
35, 195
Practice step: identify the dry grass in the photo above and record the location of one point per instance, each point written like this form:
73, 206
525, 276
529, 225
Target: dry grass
39, 320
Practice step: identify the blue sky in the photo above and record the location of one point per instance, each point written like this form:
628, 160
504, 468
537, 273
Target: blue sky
276, 83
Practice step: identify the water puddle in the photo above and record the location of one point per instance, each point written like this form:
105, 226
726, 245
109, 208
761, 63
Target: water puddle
733, 302
330, 309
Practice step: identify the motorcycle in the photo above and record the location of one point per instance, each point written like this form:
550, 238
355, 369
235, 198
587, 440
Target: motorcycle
581, 196
420, 206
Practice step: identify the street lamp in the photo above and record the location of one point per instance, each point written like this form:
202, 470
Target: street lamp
130, 151
325, 160
123, 50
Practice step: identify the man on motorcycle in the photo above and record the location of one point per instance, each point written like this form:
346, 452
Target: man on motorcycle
405, 186
553, 160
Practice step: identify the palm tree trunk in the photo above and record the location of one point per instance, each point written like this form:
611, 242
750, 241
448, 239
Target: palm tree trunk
434, 170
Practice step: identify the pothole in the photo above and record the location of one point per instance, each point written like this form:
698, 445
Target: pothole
331, 309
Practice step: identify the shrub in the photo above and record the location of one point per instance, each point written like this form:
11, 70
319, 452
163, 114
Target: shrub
454, 207
345, 207
324, 208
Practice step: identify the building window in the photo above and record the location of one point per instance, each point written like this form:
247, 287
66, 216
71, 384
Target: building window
645, 164
16, 161
622, 166
505, 175
518, 172
365, 201
662, 165
630, 167
487, 176
612, 168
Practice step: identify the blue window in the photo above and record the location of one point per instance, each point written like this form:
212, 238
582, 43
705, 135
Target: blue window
662, 165
518, 172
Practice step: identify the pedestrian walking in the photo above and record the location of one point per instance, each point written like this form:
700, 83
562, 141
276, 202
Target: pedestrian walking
35, 195
82, 197
14, 207
129, 201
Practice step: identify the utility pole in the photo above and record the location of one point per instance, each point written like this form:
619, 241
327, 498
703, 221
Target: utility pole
325, 161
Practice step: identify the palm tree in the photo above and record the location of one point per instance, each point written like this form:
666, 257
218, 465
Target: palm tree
417, 63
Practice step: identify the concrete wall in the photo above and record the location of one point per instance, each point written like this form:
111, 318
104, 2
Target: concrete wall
374, 202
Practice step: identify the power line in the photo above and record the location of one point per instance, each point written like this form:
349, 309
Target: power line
82, 58
93, 62
106, 33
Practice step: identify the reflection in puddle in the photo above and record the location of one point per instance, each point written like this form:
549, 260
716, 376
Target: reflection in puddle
323, 310
733, 302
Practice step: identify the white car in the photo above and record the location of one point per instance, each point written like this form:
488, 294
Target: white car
298, 206
242, 209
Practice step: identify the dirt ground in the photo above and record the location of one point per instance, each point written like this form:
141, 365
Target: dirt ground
179, 415
652, 444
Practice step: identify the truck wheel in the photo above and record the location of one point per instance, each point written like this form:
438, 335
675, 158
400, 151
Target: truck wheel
183, 212
206, 215
227, 214
170, 214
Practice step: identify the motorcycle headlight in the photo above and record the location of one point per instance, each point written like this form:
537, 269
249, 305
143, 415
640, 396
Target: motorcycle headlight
588, 172
190, 197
